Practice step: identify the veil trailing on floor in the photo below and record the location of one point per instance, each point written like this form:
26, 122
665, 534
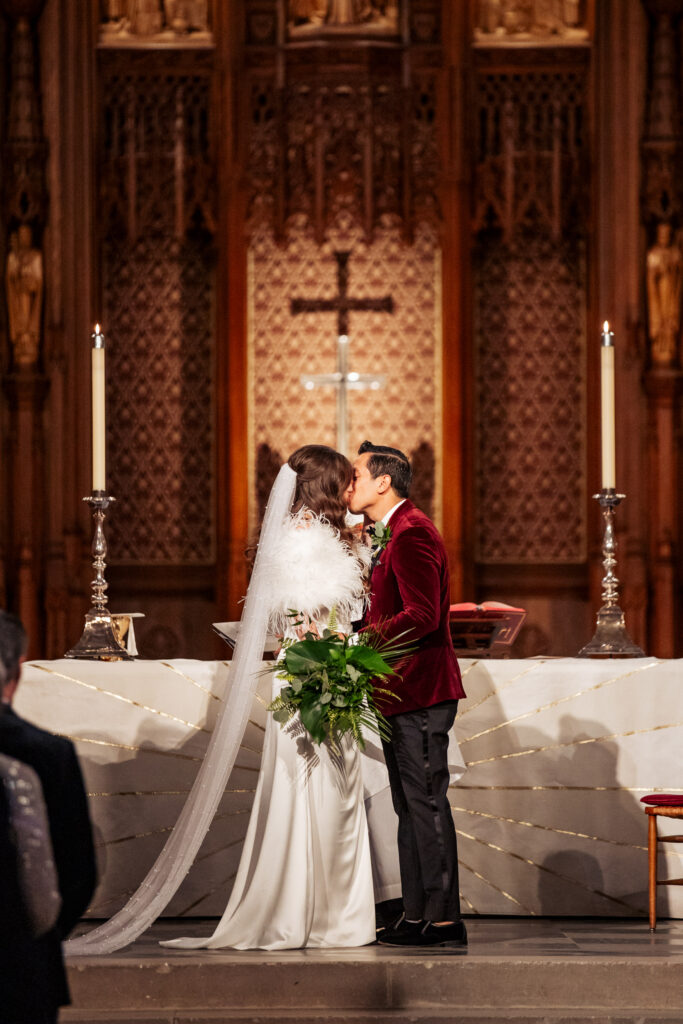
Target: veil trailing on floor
176, 858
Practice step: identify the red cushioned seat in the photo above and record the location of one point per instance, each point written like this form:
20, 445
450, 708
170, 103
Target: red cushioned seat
663, 799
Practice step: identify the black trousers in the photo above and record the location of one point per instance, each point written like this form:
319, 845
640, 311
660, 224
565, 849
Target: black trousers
417, 762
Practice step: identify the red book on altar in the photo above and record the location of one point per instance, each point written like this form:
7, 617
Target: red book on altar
486, 630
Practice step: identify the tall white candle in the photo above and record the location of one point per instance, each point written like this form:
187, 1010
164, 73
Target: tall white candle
99, 477
607, 408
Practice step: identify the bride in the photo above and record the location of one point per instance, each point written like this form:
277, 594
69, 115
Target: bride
305, 876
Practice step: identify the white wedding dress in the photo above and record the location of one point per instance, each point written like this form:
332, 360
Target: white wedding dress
305, 875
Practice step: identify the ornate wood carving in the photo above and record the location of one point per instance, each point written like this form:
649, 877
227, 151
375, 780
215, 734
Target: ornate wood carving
663, 137
529, 312
25, 148
531, 162
24, 208
662, 214
155, 22
664, 388
530, 384
157, 271
157, 174
501, 22
370, 18
336, 127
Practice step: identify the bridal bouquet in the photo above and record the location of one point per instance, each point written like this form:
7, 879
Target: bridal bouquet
331, 680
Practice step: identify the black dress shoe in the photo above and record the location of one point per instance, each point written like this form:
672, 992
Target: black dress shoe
427, 934
382, 929
399, 924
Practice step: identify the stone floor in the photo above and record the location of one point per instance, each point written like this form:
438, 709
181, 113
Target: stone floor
488, 937
526, 970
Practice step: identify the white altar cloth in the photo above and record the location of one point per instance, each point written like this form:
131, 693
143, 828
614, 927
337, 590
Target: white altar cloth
548, 814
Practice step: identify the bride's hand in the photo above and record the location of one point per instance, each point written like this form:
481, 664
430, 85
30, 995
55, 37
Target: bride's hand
306, 626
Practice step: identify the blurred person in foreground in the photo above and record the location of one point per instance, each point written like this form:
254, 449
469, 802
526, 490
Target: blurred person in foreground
54, 761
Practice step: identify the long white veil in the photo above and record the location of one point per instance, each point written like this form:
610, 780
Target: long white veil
176, 858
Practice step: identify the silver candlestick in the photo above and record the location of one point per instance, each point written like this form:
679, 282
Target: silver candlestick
99, 640
611, 639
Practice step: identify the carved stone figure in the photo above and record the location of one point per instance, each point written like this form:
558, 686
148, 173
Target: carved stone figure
490, 16
344, 12
198, 14
664, 279
521, 17
145, 17
381, 15
24, 279
177, 14
307, 11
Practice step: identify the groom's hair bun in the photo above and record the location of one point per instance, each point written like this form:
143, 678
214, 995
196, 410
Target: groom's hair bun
385, 461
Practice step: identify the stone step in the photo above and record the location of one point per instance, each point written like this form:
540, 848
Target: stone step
314, 986
451, 1016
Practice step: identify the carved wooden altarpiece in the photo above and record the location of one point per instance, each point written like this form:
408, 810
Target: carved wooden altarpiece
157, 204
342, 155
530, 295
23, 214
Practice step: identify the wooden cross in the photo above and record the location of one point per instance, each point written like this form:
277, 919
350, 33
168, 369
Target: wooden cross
343, 379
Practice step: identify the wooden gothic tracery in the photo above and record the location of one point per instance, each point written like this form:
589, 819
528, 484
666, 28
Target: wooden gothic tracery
342, 123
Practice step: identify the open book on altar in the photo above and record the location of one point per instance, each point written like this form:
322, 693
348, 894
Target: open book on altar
229, 631
488, 629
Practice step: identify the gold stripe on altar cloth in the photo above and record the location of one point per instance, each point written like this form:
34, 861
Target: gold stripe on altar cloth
555, 703
549, 871
487, 881
124, 700
574, 743
548, 828
210, 892
494, 693
578, 789
220, 849
165, 828
130, 746
183, 675
159, 792
470, 904
252, 750
99, 904
469, 668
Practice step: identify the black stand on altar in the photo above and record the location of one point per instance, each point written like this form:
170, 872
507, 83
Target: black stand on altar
485, 630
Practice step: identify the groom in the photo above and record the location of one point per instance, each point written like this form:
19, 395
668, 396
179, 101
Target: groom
410, 597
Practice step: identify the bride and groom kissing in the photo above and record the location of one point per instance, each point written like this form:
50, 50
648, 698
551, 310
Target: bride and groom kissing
305, 877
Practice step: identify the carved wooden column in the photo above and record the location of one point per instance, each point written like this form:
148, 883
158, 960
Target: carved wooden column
664, 388
455, 197
616, 295
24, 205
662, 215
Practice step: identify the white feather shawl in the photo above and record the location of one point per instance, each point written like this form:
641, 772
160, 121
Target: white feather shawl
312, 570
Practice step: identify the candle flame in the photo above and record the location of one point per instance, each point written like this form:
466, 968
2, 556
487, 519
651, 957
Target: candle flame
605, 327
97, 329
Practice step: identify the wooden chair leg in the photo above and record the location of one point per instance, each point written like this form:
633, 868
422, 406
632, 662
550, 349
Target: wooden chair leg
652, 864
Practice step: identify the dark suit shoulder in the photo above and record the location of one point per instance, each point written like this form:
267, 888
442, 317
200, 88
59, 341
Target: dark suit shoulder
18, 734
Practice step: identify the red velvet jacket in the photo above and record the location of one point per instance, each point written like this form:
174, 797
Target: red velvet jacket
410, 593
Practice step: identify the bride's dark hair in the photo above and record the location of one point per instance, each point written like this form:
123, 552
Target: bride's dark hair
322, 477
